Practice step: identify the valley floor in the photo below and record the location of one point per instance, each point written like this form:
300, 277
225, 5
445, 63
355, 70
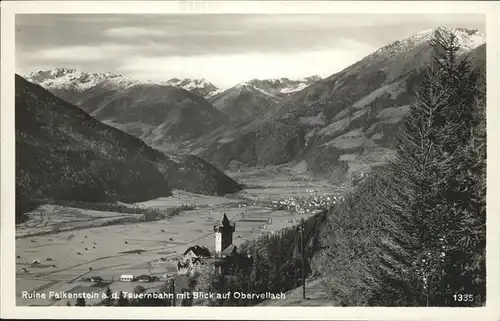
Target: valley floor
75, 240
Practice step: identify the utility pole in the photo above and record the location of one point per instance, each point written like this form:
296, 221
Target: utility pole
303, 259
173, 290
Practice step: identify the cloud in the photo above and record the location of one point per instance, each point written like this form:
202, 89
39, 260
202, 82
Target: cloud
167, 32
81, 53
134, 32
227, 70
213, 33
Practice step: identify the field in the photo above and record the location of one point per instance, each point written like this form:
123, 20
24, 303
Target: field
60, 245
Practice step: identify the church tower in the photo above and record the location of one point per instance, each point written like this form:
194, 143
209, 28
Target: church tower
223, 235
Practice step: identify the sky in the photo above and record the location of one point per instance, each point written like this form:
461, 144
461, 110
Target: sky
225, 49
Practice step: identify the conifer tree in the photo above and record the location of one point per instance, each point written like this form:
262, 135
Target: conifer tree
80, 302
465, 189
122, 300
437, 185
109, 298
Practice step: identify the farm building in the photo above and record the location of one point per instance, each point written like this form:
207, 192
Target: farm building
96, 279
126, 278
197, 252
144, 278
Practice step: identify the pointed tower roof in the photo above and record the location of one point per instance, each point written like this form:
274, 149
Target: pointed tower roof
225, 220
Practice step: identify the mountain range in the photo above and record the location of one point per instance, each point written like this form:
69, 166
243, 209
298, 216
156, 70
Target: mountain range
61, 80
166, 114
64, 81
340, 126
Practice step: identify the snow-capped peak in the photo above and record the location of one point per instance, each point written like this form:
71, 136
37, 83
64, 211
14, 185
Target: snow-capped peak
245, 84
71, 79
66, 78
468, 39
198, 85
248, 86
276, 86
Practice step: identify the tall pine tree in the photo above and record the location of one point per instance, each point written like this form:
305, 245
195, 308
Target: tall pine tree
465, 189
437, 189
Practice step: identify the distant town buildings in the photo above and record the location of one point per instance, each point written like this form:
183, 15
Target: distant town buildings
303, 205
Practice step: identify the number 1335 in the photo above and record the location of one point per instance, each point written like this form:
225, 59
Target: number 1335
463, 297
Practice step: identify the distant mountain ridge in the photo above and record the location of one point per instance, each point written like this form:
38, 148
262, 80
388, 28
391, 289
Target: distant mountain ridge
255, 97
70, 79
201, 87
283, 86
165, 114
245, 101
59, 79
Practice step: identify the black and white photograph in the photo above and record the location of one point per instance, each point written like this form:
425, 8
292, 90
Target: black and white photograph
250, 160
